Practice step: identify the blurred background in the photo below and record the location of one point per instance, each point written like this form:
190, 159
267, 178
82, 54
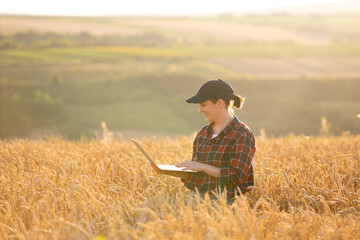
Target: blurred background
71, 68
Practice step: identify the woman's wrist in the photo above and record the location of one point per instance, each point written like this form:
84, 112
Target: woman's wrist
203, 167
211, 170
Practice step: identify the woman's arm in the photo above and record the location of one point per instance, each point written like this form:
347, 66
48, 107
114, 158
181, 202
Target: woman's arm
240, 161
211, 170
192, 165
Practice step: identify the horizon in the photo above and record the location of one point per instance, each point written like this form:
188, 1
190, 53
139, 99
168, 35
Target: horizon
44, 8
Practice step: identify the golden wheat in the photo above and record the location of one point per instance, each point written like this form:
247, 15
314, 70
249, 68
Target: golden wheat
52, 188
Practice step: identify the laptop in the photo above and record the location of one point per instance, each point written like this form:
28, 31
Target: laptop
159, 167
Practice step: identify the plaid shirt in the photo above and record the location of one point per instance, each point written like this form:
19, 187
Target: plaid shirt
232, 151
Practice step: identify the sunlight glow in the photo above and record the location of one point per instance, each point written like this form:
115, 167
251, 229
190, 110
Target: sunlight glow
162, 7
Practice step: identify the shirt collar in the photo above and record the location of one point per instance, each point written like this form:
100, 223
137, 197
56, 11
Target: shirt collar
227, 129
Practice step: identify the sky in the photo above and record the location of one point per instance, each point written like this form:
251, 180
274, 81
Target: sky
146, 7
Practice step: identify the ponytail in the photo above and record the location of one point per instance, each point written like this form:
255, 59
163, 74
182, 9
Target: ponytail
238, 101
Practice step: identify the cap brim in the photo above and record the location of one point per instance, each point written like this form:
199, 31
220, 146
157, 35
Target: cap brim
196, 99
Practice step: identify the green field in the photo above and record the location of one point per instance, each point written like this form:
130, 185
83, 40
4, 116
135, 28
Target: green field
137, 81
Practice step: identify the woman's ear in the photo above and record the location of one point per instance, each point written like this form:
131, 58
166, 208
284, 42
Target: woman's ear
220, 103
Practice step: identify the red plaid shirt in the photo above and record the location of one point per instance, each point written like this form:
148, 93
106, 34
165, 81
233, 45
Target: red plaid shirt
232, 151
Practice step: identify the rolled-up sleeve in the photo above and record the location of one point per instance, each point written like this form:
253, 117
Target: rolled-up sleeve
241, 156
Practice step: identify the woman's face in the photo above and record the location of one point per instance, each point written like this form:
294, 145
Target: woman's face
210, 110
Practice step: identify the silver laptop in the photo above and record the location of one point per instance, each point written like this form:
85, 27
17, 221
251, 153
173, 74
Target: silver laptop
171, 168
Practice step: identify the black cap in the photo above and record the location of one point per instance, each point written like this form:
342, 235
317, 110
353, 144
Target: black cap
212, 89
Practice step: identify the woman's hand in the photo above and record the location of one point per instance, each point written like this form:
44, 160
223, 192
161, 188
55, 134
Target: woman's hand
191, 165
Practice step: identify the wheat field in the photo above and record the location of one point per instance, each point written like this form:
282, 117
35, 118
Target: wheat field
53, 188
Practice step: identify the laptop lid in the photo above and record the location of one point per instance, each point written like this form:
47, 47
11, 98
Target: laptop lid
145, 153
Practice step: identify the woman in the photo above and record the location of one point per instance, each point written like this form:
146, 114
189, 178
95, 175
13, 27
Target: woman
222, 150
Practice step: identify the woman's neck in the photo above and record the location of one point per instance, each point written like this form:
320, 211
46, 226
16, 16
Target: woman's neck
222, 121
